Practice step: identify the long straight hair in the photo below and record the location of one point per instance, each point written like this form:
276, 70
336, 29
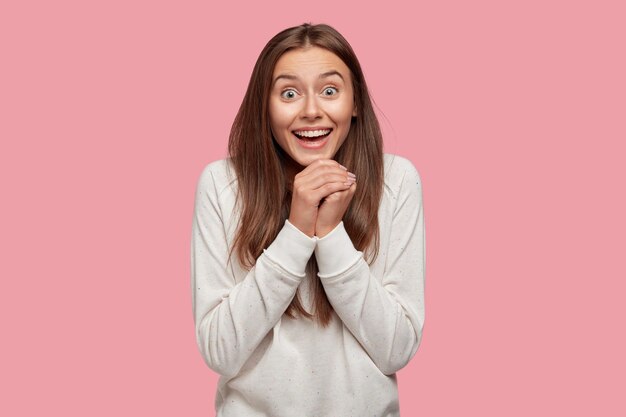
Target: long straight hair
259, 163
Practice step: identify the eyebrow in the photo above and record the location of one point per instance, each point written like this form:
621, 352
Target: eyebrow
322, 75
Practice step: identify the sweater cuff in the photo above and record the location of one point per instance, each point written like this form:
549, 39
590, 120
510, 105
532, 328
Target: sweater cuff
335, 253
291, 250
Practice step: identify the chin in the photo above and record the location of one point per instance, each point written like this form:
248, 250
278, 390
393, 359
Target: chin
309, 159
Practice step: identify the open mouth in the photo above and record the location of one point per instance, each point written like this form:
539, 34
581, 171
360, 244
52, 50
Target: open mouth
312, 135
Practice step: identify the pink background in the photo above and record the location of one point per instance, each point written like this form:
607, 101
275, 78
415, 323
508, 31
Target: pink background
513, 112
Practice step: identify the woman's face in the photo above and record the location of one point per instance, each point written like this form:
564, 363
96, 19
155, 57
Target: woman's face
311, 104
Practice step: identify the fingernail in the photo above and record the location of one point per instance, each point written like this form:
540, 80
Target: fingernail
343, 167
351, 175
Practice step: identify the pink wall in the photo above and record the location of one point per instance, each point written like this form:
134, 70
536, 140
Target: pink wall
514, 114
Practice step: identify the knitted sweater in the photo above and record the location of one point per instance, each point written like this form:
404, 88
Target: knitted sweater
273, 365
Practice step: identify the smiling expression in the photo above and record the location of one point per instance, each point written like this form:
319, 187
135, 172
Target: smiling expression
311, 104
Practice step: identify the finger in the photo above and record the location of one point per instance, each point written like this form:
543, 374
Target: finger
321, 163
321, 175
328, 189
316, 182
313, 198
348, 193
320, 172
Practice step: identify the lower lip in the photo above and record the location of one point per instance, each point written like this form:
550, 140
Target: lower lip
313, 144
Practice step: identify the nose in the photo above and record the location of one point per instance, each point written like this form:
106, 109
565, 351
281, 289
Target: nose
311, 109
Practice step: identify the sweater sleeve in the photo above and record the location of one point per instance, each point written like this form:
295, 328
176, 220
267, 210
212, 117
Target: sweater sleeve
385, 314
231, 319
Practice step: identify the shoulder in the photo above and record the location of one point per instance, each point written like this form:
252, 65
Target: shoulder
403, 184
400, 170
217, 176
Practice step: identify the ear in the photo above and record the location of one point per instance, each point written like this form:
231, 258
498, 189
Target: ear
354, 113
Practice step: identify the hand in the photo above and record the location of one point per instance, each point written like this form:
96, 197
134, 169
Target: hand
317, 181
331, 211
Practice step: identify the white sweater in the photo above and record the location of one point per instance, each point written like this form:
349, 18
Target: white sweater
272, 365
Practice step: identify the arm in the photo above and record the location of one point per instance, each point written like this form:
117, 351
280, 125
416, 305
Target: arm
231, 319
385, 315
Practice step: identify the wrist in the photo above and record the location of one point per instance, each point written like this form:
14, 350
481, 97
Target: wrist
309, 231
335, 252
322, 231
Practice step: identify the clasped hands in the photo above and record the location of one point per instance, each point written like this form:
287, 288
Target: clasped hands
321, 195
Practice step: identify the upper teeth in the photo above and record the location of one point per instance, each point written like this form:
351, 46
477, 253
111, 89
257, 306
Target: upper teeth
312, 133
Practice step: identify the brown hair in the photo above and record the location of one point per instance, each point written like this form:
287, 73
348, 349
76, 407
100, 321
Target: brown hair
258, 161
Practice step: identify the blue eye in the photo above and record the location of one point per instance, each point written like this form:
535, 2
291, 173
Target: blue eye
332, 90
288, 94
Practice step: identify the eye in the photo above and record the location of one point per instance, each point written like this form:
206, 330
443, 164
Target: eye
288, 94
330, 91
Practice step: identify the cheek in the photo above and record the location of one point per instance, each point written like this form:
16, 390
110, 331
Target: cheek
281, 115
342, 111
274, 114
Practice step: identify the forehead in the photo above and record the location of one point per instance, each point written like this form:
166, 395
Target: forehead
311, 62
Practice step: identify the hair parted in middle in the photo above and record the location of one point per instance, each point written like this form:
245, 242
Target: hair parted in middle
263, 195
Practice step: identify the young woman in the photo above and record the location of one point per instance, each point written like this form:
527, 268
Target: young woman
308, 289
